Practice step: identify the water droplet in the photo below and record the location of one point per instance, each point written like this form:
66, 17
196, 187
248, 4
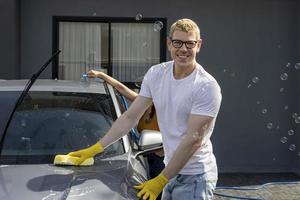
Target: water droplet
138, 17
291, 132
288, 64
264, 111
281, 89
255, 79
23, 123
283, 140
284, 76
286, 107
270, 125
297, 66
297, 119
292, 147
158, 25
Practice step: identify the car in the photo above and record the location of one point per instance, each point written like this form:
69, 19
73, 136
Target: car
59, 116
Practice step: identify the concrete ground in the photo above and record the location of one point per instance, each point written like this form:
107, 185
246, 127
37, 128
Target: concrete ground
288, 189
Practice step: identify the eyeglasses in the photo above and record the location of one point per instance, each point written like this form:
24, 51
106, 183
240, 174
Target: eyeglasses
188, 44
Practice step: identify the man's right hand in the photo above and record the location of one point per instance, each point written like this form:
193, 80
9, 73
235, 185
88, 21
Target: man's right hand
86, 153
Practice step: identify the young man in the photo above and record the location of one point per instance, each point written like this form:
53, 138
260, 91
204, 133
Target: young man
187, 100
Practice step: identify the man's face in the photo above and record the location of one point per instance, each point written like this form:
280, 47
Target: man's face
184, 56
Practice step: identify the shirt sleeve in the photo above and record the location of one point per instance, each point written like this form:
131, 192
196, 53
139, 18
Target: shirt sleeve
207, 100
145, 88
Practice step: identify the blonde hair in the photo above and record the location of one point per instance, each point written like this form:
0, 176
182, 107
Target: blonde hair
185, 25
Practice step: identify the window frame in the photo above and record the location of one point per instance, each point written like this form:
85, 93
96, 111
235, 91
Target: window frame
55, 36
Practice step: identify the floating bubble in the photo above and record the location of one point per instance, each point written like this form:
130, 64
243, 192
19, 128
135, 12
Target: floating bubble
294, 115
277, 127
255, 79
284, 76
270, 125
264, 111
283, 140
158, 25
258, 102
249, 86
291, 132
297, 66
281, 89
138, 17
288, 64
297, 119
292, 147
145, 44
224, 70
286, 107
232, 74
94, 14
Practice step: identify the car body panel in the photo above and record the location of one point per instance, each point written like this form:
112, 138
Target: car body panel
111, 178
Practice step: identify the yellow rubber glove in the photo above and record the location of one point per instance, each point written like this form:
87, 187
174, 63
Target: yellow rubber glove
89, 152
152, 188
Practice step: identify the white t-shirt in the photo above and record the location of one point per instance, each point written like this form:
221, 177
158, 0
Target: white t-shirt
175, 100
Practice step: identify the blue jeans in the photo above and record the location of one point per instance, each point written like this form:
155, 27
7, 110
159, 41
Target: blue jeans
190, 187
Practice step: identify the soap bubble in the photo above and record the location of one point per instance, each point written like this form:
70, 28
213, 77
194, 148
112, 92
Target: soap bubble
291, 132
270, 125
294, 115
284, 76
288, 64
138, 17
258, 102
264, 111
158, 25
255, 79
286, 107
297, 66
281, 89
283, 140
297, 119
292, 147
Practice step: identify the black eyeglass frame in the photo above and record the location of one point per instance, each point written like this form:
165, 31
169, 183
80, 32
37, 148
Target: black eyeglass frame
186, 43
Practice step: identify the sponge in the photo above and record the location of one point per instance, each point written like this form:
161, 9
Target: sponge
71, 160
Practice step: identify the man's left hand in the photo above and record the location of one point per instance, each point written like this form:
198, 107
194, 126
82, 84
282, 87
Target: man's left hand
152, 188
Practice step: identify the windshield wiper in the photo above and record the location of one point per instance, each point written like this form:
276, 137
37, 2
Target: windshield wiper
23, 94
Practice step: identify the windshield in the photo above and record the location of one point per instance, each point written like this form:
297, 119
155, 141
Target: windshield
50, 123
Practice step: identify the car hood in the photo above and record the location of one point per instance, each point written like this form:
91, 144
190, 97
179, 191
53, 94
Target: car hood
107, 179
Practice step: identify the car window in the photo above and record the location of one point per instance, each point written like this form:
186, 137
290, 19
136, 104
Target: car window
50, 123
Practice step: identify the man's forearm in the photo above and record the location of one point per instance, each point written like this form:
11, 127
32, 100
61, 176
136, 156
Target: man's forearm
183, 153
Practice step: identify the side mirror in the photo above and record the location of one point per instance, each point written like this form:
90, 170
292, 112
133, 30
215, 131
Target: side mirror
150, 140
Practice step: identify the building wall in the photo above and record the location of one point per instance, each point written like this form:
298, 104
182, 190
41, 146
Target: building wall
243, 41
9, 39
